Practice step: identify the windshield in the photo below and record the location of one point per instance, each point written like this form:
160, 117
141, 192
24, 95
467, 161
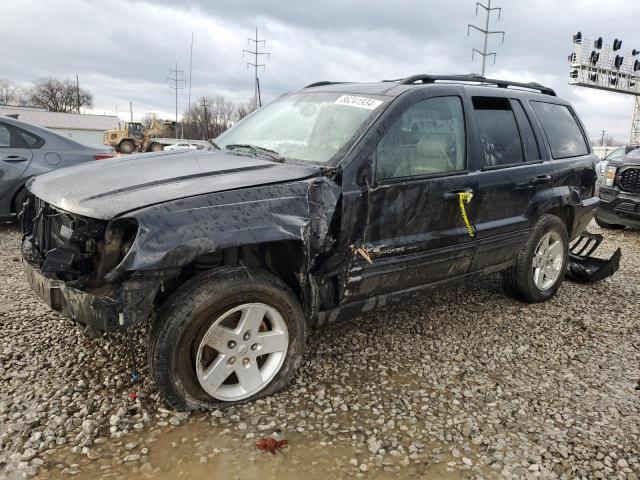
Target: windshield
311, 127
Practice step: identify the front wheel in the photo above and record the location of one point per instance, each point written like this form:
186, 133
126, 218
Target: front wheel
155, 147
228, 336
126, 146
541, 264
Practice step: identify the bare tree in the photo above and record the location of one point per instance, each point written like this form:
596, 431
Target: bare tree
213, 115
59, 95
245, 108
9, 93
149, 120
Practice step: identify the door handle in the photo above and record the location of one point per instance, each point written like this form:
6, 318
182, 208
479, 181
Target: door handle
14, 158
541, 179
453, 194
538, 180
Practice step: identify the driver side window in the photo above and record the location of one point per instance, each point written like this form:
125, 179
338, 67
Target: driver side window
428, 138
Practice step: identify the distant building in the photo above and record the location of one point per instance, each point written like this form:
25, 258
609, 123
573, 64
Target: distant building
80, 127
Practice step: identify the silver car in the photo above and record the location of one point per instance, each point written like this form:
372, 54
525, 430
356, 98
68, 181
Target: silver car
27, 150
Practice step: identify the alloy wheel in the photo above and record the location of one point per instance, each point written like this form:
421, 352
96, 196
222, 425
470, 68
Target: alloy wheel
548, 260
242, 351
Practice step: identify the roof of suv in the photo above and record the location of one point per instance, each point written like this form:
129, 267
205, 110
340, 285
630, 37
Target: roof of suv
399, 86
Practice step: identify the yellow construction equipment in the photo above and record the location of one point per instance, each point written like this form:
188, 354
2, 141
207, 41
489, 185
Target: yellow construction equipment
134, 138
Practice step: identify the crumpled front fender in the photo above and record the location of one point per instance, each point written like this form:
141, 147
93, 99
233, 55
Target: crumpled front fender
174, 233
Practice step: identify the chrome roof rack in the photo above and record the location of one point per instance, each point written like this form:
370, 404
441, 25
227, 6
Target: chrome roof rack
323, 83
472, 77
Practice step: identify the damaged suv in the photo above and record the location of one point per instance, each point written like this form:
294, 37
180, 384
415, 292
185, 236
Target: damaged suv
329, 202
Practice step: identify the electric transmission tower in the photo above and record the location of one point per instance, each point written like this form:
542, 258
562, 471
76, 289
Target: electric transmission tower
486, 33
175, 77
256, 65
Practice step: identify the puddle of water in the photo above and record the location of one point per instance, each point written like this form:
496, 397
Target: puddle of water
197, 450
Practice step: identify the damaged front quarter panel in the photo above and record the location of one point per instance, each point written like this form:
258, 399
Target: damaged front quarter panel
173, 234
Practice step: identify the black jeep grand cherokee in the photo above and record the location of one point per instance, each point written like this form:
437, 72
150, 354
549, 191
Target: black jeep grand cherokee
331, 201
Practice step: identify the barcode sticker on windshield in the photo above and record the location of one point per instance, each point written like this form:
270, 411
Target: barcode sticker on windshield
360, 102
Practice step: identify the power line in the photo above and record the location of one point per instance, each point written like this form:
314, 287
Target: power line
486, 32
177, 81
256, 54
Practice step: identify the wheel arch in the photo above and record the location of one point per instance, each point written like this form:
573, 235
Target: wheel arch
566, 213
21, 186
285, 259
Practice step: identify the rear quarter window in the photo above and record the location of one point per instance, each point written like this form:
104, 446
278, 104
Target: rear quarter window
562, 130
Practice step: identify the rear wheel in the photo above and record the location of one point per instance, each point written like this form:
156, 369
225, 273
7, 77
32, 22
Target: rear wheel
541, 264
228, 336
609, 226
126, 146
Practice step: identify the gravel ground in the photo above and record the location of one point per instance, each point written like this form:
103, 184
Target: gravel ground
468, 381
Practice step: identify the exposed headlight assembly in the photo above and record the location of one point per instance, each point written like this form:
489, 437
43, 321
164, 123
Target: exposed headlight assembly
118, 239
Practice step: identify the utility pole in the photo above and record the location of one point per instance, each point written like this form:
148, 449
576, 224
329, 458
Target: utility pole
256, 54
78, 92
486, 32
190, 67
131, 111
602, 138
205, 118
175, 77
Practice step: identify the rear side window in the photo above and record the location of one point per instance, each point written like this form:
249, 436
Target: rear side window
529, 142
562, 130
5, 136
30, 140
499, 133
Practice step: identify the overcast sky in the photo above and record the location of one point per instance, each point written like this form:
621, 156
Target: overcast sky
123, 50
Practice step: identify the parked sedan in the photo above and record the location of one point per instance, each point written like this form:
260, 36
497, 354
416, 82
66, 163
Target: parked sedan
182, 146
27, 150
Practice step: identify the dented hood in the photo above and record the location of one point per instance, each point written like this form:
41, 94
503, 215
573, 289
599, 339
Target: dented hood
107, 188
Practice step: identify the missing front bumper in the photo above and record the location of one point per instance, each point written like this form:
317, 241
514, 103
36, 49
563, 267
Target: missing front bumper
583, 268
128, 306
98, 312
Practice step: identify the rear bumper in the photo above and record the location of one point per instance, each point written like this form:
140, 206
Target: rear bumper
619, 208
107, 309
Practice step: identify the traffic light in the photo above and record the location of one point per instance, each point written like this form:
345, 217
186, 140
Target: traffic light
598, 43
577, 38
617, 44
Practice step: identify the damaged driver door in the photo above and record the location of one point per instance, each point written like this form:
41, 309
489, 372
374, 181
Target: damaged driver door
415, 232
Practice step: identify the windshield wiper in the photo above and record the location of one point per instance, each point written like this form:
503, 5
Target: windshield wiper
214, 144
256, 149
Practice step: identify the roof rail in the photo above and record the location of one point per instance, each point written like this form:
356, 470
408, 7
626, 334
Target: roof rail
323, 83
472, 77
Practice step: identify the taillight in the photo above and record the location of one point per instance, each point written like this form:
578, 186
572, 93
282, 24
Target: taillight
103, 156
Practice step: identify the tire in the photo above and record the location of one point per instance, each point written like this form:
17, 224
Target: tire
177, 354
519, 281
19, 200
155, 147
126, 146
609, 226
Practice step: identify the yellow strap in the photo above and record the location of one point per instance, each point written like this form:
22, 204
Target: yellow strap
465, 197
